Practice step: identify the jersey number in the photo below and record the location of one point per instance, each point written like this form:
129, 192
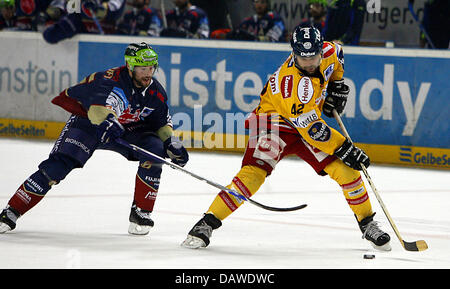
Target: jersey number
297, 109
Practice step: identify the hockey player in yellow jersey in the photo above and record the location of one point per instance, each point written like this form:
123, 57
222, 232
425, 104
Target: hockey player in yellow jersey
288, 121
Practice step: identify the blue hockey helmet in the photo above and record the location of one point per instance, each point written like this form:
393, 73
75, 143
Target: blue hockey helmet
306, 41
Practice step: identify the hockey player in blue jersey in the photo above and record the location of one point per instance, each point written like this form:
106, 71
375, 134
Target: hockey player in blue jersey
8, 18
317, 14
125, 102
141, 20
265, 25
186, 21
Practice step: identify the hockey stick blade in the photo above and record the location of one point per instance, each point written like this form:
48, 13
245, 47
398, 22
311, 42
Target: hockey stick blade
416, 246
275, 209
235, 194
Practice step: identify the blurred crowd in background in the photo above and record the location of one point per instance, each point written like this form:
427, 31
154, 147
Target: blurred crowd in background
338, 20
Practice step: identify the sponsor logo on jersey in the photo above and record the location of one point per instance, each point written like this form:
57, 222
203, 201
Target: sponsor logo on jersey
128, 116
328, 71
305, 90
305, 119
286, 86
117, 101
273, 82
146, 111
319, 132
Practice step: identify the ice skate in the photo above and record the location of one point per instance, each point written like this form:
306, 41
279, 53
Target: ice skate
8, 219
140, 221
199, 235
372, 233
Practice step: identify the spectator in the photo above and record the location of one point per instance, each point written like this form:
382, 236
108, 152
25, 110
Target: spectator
216, 10
187, 21
265, 25
141, 20
436, 23
28, 14
8, 17
317, 10
97, 16
344, 23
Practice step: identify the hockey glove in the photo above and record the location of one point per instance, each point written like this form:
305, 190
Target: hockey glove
175, 151
352, 156
337, 93
109, 129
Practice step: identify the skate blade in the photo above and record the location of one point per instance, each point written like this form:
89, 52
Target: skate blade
192, 242
4, 228
135, 229
384, 248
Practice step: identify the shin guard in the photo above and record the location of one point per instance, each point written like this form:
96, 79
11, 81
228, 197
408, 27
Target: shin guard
30, 193
146, 186
353, 188
247, 182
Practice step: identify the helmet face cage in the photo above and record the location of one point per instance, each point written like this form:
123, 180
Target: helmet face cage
306, 41
140, 54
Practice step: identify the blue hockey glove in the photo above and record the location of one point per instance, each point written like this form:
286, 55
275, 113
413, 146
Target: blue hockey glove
109, 129
175, 151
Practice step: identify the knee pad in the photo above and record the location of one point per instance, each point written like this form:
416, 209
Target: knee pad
153, 144
57, 167
341, 173
149, 142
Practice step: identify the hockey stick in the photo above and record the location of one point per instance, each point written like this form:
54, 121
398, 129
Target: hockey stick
212, 183
163, 14
97, 23
420, 245
414, 15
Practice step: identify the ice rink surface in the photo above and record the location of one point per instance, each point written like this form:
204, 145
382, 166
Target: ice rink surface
83, 221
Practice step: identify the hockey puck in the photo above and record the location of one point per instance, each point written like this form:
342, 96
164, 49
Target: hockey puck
369, 256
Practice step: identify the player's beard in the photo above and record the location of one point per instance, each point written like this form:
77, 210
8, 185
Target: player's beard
310, 70
141, 82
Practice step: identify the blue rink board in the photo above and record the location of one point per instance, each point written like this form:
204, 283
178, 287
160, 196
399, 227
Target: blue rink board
391, 73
